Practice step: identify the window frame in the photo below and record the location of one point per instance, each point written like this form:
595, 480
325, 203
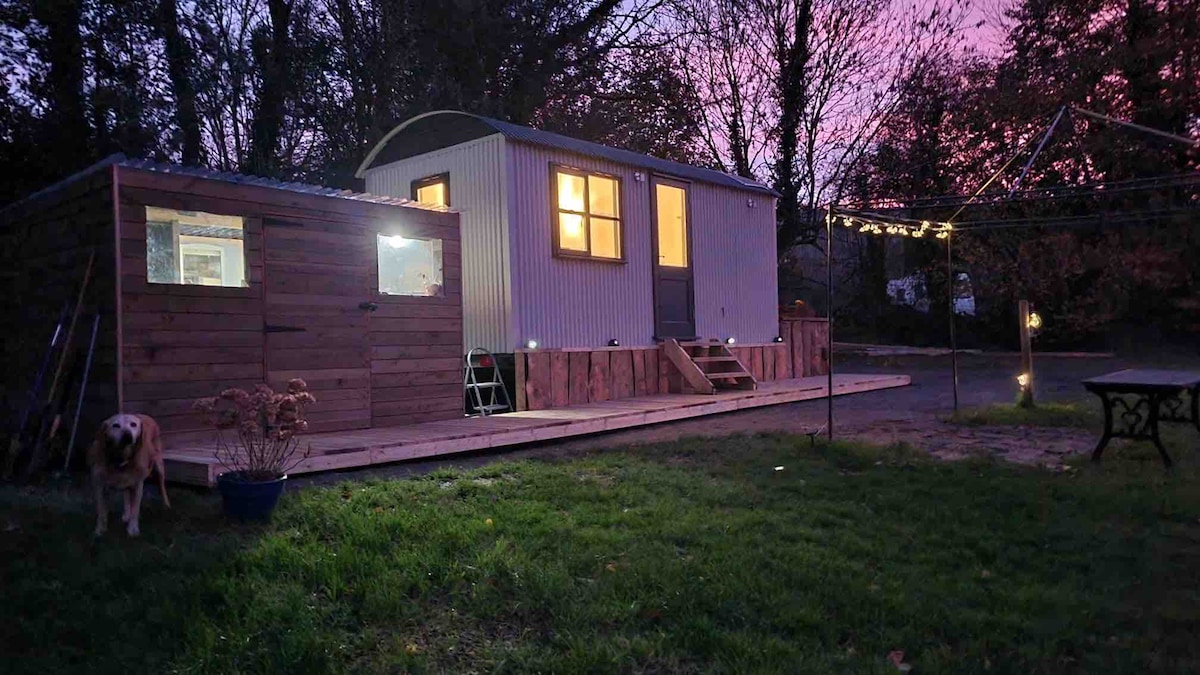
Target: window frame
405, 297
556, 228
250, 223
443, 178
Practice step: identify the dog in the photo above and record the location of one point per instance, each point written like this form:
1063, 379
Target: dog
122, 455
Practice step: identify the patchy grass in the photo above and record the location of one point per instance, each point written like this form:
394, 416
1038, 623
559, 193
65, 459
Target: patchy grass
682, 557
1041, 415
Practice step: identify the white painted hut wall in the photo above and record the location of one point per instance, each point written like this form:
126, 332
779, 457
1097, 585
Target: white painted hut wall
582, 303
567, 302
735, 268
477, 192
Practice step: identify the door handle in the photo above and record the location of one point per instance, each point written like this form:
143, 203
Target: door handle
368, 306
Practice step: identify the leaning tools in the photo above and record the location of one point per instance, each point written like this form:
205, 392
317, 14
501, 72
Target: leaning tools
14, 444
52, 411
83, 382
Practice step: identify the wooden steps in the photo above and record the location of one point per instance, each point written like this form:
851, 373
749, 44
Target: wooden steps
709, 366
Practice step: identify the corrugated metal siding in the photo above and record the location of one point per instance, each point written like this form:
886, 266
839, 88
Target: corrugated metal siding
568, 302
580, 303
477, 192
736, 272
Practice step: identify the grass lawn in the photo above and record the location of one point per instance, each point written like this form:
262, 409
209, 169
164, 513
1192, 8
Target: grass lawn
1053, 414
690, 556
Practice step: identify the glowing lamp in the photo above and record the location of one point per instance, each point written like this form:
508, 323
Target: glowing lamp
614, 343
1035, 321
531, 344
730, 340
1023, 380
396, 241
778, 338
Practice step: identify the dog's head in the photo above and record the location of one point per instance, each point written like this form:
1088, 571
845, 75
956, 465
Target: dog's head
122, 434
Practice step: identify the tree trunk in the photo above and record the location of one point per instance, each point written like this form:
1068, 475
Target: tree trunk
67, 117
793, 54
179, 69
270, 107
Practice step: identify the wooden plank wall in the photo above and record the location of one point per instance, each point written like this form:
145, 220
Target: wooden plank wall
44, 248
558, 378
550, 378
310, 261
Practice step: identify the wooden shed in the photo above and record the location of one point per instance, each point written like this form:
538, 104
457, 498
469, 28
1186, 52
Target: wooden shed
206, 280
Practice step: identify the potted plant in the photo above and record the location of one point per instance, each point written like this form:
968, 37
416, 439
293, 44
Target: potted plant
258, 442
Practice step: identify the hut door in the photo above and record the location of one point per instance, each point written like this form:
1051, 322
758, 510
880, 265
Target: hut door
674, 313
316, 275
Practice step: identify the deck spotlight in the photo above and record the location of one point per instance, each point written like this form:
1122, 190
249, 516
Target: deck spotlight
614, 343
730, 340
531, 344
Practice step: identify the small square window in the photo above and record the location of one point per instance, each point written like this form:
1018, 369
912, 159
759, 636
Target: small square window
409, 266
587, 211
195, 248
434, 190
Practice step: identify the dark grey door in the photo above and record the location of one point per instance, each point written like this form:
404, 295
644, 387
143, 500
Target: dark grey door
674, 314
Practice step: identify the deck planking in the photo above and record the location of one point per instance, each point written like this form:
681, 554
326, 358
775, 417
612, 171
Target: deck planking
194, 463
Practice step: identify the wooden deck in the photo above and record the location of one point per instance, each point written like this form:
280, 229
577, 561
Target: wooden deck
342, 450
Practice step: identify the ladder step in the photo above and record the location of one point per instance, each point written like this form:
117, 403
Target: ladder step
494, 407
486, 385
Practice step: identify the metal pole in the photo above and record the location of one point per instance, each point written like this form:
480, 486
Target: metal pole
1139, 127
829, 318
1038, 151
950, 296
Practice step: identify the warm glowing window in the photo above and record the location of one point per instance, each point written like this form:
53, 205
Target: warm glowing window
671, 204
409, 266
434, 190
587, 211
194, 248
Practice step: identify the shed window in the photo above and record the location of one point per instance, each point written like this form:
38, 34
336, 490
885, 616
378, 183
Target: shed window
194, 248
409, 266
587, 214
434, 190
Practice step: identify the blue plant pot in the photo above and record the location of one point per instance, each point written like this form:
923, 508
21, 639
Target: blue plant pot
249, 500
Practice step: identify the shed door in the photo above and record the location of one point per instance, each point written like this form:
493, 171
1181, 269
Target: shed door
316, 275
674, 313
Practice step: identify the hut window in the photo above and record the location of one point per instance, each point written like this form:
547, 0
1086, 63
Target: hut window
409, 266
434, 190
587, 214
194, 248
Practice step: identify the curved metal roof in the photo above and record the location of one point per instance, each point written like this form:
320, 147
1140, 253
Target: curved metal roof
439, 129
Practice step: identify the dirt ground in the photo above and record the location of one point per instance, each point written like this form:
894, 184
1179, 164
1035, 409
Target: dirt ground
912, 414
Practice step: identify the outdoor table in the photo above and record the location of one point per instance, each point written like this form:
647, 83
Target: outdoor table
1157, 396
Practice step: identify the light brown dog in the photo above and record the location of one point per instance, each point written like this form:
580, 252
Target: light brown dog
126, 448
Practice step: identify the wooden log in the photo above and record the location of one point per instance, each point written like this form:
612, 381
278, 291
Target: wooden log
639, 372
652, 377
756, 363
520, 378
664, 372
537, 380
598, 382
579, 370
768, 354
783, 361
622, 374
560, 380
795, 339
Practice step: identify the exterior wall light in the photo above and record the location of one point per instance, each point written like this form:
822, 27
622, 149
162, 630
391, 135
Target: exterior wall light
778, 338
730, 340
614, 342
531, 344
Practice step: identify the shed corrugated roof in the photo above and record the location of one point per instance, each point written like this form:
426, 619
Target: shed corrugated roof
516, 132
225, 177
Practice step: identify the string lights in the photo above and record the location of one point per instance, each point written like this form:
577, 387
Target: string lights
882, 227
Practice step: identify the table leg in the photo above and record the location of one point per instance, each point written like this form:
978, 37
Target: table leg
1156, 401
1108, 422
1195, 396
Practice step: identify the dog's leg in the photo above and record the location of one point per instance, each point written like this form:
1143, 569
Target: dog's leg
101, 511
132, 526
127, 495
160, 467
